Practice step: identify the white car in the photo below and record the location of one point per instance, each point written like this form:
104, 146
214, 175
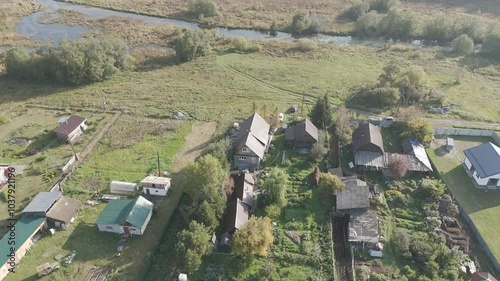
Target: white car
281, 116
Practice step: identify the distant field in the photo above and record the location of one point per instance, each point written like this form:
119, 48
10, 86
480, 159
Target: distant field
260, 14
10, 13
483, 207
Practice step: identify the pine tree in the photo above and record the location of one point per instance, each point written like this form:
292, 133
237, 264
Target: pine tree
322, 113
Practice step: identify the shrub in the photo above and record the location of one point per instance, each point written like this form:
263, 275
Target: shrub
491, 45
317, 152
4, 119
73, 62
305, 45
398, 167
398, 24
440, 28
389, 97
302, 26
240, 44
368, 25
192, 44
204, 8
253, 48
272, 211
462, 45
382, 6
432, 187
358, 9
273, 29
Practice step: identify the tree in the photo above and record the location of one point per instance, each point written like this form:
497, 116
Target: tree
358, 9
193, 244
491, 44
398, 24
322, 113
205, 8
275, 185
462, 45
368, 25
240, 44
440, 28
229, 186
406, 114
273, 29
390, 74
254, 238
389, 97
267, 270
382, 6
402, 240
254, 107
398, 167
275, 122
206, 178
329, 183
317, 152
192, 44
301, 26
207, 216
342, 125
432, 188
419, 129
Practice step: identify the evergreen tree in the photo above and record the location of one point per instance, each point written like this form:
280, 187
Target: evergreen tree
322, 113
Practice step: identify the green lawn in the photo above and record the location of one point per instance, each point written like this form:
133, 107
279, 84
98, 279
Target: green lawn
483, 207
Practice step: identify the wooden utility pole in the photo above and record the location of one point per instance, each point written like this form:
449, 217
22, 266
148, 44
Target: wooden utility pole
158, 159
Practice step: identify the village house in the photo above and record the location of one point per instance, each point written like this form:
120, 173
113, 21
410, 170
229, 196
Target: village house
155, 185
368, 149
237, 213
128, 216
63, 212
71, 128
25, 230
354, 201
124, 188
243, 188
41, 204
4, 175
251, 143
302, 135
367, 146
482, 163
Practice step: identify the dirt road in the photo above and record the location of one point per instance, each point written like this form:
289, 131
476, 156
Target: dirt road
196, 141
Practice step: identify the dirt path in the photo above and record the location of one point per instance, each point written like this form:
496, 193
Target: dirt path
196, 141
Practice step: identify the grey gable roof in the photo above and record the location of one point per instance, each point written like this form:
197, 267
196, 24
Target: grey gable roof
256, 126
42, 202
416, 148
311, 129
485, 158
355, 194
365, 134
252, 143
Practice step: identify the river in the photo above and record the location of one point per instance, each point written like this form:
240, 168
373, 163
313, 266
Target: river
30, 26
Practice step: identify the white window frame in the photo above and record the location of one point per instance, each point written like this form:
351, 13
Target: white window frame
242, 158
245, 149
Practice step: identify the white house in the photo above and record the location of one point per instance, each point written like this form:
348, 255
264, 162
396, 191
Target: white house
130, 216
120, 187
482, 163
155, 185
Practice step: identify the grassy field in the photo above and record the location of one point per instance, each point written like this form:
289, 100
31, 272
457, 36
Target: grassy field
260, 14
483, 207
119, 158
222, 87
44, 157
10, 13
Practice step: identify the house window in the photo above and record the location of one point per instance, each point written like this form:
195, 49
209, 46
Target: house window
472, 169
154, 185
109, 227
492, 182
242, 158
245, 149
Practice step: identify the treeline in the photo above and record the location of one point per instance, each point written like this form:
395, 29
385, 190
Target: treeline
73, 62
384, 18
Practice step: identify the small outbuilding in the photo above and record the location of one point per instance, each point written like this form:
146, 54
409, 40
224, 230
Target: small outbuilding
237, 214
63, 212
129, 216
482, 276
303, 135
155, 185
41, 204
450, 144
71, 128
121, 187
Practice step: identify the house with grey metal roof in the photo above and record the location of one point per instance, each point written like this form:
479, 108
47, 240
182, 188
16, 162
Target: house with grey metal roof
236, 217
354, 195
302, 135
243, 188
251, 143
130, 216
419, 161
368, 146
63, 212
482, 164
41, 204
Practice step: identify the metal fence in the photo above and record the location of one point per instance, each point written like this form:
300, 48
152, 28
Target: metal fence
479, 238
468, 132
